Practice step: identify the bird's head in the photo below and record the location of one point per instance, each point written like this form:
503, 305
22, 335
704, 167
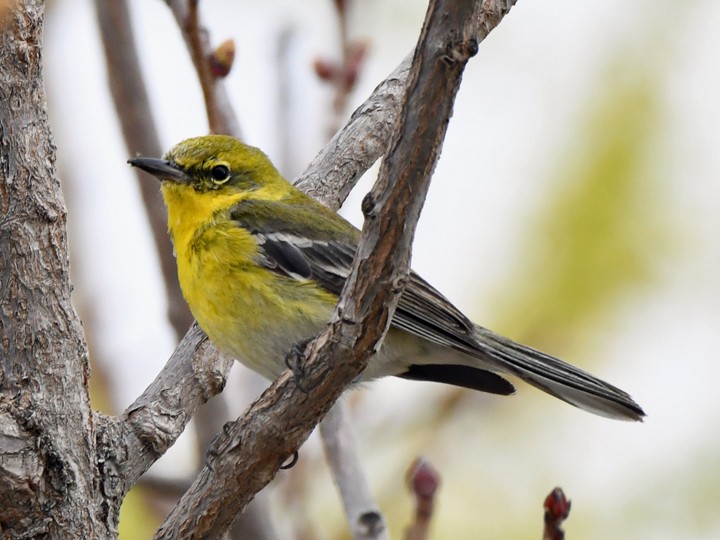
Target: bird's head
211, 164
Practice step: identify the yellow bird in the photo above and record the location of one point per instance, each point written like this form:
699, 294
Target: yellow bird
261, 265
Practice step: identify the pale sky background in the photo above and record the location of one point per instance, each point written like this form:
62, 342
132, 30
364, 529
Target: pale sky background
516, 113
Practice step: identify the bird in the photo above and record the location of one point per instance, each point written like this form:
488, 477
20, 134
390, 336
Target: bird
261, 265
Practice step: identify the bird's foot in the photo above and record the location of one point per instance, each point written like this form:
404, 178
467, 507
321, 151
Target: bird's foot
294, 362
290, 463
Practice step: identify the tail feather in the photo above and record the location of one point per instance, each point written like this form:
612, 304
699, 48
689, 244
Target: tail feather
559, 378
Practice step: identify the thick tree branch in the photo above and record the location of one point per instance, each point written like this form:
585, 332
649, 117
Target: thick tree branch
251, 450
47, 457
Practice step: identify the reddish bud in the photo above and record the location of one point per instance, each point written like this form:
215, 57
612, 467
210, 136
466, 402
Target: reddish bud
557, 509
422, 478
556, 505
221, 60
326, 70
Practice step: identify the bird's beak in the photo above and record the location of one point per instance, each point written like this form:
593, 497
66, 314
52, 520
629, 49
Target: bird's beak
161, 169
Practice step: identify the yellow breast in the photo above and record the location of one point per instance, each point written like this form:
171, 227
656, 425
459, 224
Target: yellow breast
247, 310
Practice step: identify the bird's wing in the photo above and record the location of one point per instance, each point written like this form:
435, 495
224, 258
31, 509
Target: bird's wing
323, 261
324, 254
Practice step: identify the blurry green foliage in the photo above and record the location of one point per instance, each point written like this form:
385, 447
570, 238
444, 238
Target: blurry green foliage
601, 229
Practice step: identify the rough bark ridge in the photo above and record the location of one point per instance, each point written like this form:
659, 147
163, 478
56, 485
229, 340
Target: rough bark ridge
47, 458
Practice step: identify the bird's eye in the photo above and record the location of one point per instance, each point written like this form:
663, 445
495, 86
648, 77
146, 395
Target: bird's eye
220, 173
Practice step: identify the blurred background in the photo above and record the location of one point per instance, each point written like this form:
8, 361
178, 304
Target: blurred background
574, 208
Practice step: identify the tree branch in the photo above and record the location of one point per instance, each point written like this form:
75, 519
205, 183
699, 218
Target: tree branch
135, 440
49, 484
342, 74
340, 445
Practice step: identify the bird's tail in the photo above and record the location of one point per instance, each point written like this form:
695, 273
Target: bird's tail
558, 378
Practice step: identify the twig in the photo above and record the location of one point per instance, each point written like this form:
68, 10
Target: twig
340, 445
336, 169
221, 116
557, 509
282, 109
424, 482
250, 451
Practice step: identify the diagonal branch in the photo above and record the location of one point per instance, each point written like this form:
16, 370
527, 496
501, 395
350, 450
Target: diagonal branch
132, 442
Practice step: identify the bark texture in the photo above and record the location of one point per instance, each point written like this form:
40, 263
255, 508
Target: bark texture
47, 458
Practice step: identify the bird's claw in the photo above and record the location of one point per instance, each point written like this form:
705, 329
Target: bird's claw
294, 362
291, 462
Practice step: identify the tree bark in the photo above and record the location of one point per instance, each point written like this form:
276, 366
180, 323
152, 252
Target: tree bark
48, 471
